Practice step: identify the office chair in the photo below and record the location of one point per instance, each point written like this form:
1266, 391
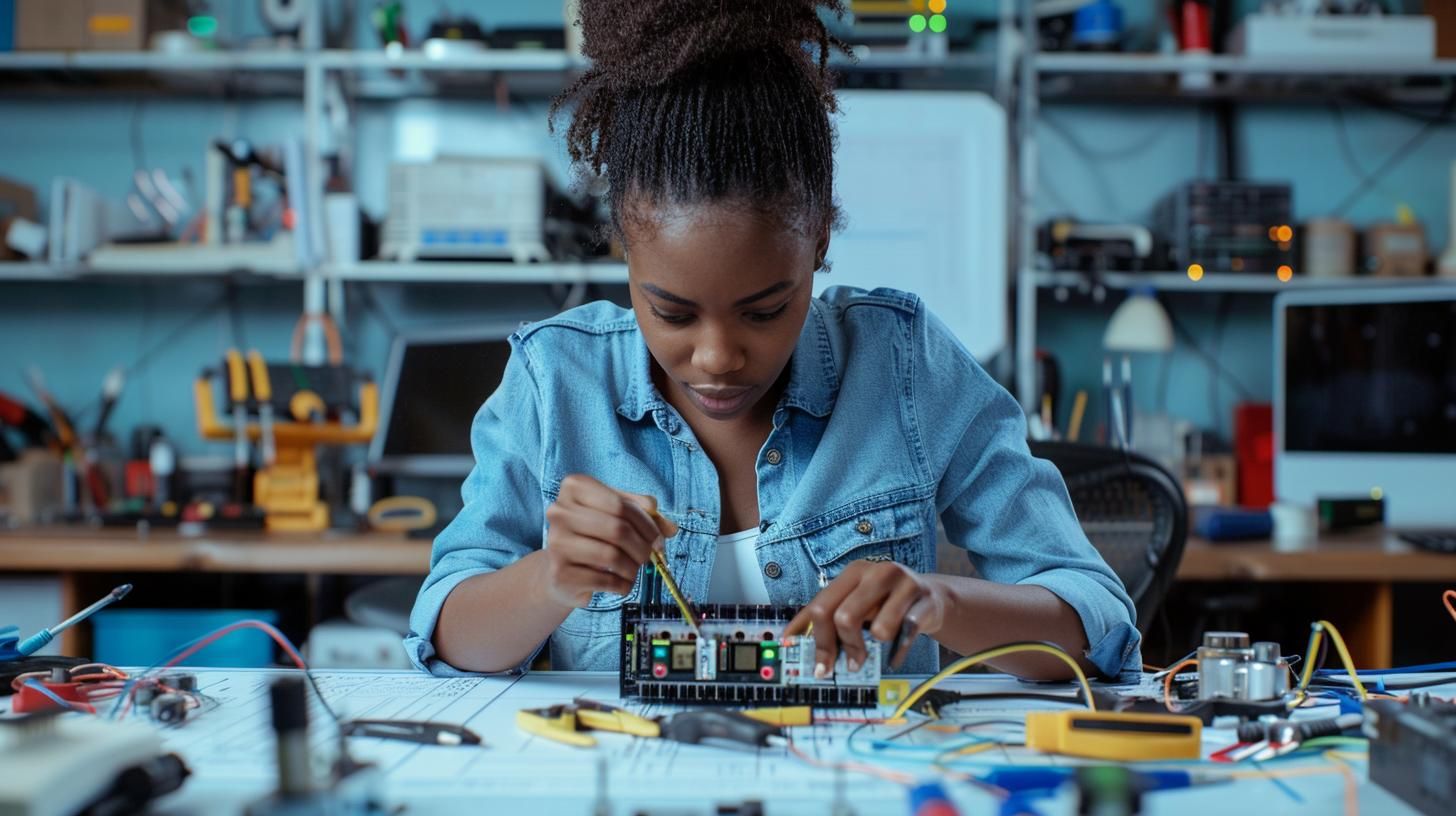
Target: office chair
1133, 512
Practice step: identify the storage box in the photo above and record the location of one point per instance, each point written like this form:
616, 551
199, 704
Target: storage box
50, 25
76, 25
146, 637
1344, 38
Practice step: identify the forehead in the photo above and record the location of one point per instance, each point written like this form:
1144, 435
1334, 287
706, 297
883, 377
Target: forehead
708, 248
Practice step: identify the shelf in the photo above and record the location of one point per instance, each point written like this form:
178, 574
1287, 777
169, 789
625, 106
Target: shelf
484, 61
479, 272
1054, 63
100, 61
1228, 282
34, 271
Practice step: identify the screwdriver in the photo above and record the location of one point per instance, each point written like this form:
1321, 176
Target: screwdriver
660, 563
39, 640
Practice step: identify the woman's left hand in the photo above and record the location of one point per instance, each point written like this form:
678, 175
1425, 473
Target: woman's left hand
882, 595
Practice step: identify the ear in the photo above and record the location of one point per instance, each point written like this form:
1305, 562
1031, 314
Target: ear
821, 249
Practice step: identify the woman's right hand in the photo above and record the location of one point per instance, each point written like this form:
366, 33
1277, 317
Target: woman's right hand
597, 538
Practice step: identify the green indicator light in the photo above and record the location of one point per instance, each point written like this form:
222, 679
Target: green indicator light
937, 23
768, 654
202, 26
629, 638
917, 23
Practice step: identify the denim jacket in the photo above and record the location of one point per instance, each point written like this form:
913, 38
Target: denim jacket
886, 423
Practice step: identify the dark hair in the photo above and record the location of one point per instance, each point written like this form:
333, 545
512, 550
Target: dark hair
692, 101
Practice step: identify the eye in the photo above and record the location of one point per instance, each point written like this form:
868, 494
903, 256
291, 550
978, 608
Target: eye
672, 319
764, 317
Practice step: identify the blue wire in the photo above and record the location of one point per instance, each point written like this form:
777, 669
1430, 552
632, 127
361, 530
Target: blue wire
126, 689
56, 698
1426, 668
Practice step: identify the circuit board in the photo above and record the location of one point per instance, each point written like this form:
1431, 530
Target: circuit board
739, 655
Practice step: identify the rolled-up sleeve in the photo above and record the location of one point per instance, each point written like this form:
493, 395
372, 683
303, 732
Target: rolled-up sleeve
503, 514
1010, 510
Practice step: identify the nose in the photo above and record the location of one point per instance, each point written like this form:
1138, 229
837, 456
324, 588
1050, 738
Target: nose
717, 354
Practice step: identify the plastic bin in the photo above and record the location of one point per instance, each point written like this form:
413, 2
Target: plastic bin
144, 637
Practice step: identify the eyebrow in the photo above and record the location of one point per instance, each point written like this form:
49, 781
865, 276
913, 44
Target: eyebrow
682, 301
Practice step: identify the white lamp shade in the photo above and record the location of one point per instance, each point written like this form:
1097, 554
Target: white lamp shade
1139, 324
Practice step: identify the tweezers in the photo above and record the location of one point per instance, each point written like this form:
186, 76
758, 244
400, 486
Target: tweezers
429, 733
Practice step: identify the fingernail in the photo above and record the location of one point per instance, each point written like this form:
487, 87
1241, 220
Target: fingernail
820, 671
853, 665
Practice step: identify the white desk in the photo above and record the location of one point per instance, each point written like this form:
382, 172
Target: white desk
230, 751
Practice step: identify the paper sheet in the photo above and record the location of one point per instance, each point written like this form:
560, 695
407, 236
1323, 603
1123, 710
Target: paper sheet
230, 749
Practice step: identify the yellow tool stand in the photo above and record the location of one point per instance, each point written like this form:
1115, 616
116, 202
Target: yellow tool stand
288, 487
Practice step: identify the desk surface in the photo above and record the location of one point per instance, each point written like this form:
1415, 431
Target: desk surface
80, 549
230, 751
1369, 556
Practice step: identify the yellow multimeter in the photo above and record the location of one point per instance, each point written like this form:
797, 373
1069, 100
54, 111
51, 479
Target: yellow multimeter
1119, 736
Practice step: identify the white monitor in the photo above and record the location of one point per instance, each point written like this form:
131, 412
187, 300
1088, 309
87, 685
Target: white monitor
1365, 399
435, 383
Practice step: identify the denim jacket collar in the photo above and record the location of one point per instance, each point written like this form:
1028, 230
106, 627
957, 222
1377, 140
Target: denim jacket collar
813, 374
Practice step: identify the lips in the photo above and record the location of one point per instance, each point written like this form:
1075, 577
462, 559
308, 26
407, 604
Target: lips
721, 402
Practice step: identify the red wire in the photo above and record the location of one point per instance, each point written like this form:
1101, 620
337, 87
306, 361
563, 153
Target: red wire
212, 638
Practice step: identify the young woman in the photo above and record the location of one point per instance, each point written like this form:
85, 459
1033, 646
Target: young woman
802, 448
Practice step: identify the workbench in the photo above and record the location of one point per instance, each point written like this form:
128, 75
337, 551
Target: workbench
230, 751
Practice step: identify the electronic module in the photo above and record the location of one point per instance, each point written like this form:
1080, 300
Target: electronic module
737, 655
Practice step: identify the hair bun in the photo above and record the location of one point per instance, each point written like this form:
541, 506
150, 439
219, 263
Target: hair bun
645, 43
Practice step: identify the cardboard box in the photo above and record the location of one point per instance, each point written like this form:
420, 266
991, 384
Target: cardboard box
50, 25
77, 25
116, 25
1443, 12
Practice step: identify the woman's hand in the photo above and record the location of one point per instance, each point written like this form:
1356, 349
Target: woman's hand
597, 538
882, 595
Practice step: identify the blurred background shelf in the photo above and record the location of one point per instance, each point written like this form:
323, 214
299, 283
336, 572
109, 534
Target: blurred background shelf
1229, 282
479, 273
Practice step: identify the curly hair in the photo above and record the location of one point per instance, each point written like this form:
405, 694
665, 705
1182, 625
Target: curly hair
696, 101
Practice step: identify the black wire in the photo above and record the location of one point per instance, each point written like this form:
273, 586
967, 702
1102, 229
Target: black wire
138, 157
1396, 156
1208, 359
235, 317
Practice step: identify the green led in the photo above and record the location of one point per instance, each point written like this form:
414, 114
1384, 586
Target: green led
769, 654
937, 23
917, 23
202, 26
629, 638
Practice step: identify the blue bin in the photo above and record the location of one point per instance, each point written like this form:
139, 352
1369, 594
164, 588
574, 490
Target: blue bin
145, 637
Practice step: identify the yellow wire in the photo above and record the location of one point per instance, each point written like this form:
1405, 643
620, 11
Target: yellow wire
990, 654
1316, 634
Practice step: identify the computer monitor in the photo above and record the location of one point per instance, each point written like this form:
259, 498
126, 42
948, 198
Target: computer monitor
1365, 399
435, 383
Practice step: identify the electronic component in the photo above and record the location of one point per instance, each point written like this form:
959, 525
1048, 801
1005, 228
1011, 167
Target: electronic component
1119, 736
1228, 667
737, 655
1228, 226
467, 208
353, 788
169, 708
1413, 751
60, 765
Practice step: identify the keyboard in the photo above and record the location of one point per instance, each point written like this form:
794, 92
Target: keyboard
1441, 541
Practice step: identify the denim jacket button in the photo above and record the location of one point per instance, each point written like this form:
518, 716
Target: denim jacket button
864, 527
773, 456
772, 569
764, 525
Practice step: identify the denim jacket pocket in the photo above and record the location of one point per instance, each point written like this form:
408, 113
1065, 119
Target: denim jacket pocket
888, 533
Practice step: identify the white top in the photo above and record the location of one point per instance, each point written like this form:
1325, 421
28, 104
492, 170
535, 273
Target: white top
736, 576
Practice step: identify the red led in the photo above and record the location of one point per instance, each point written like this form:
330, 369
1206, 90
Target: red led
767, 672
659, 670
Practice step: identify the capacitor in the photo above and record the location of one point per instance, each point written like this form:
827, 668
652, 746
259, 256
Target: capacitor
169, 708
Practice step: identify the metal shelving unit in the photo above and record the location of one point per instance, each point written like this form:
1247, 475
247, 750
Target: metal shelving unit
1218, 282
479, 273
1097, 78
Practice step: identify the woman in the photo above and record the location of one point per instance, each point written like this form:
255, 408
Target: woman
800, 448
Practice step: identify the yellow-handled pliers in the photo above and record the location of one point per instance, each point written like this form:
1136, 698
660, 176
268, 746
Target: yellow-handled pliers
569, 722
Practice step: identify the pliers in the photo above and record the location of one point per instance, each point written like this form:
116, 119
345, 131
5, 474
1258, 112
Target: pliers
570, 723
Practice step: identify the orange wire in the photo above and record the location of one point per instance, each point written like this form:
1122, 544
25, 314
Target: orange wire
1168, 683
880, 773
1449, 599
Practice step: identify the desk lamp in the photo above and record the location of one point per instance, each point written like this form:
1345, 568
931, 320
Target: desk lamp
1139, 325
